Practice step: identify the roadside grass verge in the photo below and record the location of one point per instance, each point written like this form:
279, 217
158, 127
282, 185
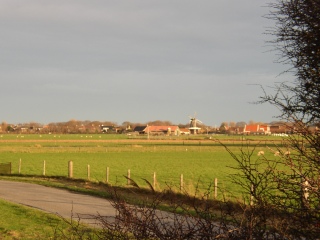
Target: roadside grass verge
132, 195
21, 222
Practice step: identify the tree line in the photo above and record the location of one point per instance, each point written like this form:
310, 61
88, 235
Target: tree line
77, 126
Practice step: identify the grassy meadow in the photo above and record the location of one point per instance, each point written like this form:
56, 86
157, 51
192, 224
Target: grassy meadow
199, 158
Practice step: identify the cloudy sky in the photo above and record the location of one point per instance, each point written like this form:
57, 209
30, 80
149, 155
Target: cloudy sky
135, 60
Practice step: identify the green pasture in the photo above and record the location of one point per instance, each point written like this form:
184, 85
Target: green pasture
21, 222
199, 158
58, 137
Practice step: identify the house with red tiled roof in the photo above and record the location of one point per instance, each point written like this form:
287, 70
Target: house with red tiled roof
162, 130
184, 131
256, 129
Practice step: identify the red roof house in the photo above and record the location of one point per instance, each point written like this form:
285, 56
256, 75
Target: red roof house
256, 129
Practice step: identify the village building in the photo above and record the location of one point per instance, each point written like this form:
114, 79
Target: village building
162, 130
257, 129
107, 129
184, 131
139, 129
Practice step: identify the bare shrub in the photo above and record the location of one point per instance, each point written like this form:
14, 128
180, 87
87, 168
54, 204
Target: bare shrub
186, 217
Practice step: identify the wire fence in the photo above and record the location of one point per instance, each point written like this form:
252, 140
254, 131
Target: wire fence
5, 168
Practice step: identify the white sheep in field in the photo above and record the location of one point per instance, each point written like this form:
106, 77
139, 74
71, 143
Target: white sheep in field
260, 153
277, 153
287, 153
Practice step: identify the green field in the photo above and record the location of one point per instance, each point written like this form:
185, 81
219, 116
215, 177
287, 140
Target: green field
21, 222
198, 158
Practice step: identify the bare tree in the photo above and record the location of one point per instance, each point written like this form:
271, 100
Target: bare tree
241, 124
297, 39
232, 124
285, 188
4, 126
160, 123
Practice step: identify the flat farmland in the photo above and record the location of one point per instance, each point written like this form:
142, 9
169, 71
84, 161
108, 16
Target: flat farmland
199, 158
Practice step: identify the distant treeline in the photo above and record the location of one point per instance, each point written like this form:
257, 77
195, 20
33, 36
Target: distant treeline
76, 126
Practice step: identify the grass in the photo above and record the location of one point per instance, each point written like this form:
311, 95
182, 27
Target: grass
20, 222
199, 158
196, 157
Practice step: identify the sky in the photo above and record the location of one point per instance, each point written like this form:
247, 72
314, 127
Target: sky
135, 60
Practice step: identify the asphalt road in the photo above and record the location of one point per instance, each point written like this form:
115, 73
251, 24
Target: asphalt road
67, 204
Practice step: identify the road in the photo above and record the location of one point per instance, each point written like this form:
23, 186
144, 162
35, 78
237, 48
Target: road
83, 208
56, 201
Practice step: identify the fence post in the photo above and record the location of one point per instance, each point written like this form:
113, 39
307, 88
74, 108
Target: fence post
181, 182
154, 180
251, 195
44, 167
88, 172
70, 169
19, 170
215, 188
128, 182
107, 173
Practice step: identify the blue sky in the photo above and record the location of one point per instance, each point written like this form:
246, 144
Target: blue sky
135, 61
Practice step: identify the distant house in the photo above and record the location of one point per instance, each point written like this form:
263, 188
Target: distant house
313, 129
139, 129
240, 130
24, 129
256, 129
184, 131
223, 129
274, 129
162, 130
233, 130
106, 129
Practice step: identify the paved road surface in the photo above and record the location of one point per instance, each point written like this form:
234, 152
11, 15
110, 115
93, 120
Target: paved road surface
56, 201
68, 204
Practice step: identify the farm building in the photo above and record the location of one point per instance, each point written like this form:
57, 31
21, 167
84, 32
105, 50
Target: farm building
139, 129
279, 129
257, 129
107, 129
184, 131
235, 130
162, 130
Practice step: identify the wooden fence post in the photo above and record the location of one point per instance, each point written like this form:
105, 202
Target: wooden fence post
44, 168
128, 182
19, 170
215, 188
154, 180
107, 173
70, 169
251, 195
181, 182
88, 172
